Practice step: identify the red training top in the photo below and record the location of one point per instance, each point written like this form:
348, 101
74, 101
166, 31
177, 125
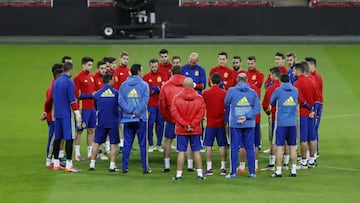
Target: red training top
98, 81
215, 108
226, 75
266, 102
154, 79
84, 85
188, 109
120, 75
165, 69
255, 78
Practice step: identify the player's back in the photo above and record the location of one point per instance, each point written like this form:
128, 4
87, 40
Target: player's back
286, 99
215, 108
172, 87
63, 94
107, 107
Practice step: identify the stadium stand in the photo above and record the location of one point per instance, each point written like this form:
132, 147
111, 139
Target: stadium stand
226, 3
26, 3
334, 3
100, 3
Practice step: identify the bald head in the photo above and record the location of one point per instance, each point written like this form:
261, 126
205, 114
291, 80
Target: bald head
241, 77
188, 83
193, 59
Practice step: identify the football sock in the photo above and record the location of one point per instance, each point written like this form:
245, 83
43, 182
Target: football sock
56, 162
293, 168
272, 160
89, 150
69, 149
311, 160
256, 164
92, 164
208, 165
178, 173
223, 164
69, 163
107, 146
286, 159
167, 163
77, 150
112, 165
199, 172
61, 154
48, 161
121, 144
242, 165
278, 170
190, 163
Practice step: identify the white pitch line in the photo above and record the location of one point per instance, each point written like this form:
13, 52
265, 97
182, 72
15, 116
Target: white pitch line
327, 117
340, 168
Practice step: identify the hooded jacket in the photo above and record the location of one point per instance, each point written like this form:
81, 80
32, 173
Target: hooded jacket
133, 98
285, 98
188, 109
168, 91
242, 101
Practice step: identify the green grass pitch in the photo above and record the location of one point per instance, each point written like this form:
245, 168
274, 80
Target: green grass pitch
25, 75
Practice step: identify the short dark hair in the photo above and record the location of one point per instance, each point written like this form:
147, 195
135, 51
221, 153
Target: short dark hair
65, 58
86, 59
176, 57
111, 59
153, 60
106, 59
135, 68
284, 78
252, 58
291, 54
276, 71
311, 60
123, 53
68, 66
223, 53
237, 57
163, 51
57, 69
176, 70
280, 54
216, 78
106, 78
99, 63
306, 66
300, 67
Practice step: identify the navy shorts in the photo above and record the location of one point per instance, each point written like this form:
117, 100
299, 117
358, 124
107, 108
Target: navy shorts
212, 133
287, 133
88, 118
65, 128
102, 133
183, 140
307, 129
169, 130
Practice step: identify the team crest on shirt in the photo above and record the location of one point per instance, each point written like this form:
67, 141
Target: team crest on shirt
226, 75
150, 80
289, 102
121, 73
85, 80
253, 77
107, 93
133, 93
243, 102
197, 73
159, 79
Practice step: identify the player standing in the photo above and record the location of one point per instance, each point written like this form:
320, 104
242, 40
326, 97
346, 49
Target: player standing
165, 65
107, 121
279, 62
226, 73
215, 126
84, 92
195, 72
244, 106
133, 99
65, 106
155, 80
